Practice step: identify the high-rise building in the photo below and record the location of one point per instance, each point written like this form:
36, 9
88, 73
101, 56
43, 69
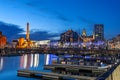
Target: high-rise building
99, 31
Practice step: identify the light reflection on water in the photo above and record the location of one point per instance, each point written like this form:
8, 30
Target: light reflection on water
29, 60
10, 65
1, 63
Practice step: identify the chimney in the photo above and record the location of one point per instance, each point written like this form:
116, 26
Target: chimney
27, 33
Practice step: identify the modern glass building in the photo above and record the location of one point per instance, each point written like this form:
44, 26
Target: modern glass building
99, 32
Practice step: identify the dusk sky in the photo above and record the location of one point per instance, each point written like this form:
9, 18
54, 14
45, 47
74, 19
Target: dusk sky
49, 18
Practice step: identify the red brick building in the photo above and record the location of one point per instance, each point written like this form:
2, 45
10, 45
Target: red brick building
3, 40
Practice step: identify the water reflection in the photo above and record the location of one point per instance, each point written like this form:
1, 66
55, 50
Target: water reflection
1, 64
47, 59
36, 60
51, 59
10, 65
29, 60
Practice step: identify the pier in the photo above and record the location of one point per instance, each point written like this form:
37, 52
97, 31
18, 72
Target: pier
51, 76
111, 74
75, 68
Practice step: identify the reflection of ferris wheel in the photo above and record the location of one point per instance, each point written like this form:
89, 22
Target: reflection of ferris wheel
1, 63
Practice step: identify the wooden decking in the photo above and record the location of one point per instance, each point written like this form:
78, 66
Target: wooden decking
51, 76
76, 68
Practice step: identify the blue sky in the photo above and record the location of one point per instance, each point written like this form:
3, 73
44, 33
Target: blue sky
52, 17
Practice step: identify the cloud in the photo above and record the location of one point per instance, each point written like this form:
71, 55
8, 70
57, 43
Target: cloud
42, 35
10, 30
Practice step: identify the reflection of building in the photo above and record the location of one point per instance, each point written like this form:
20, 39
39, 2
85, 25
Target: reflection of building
25, 43
3, 40
69, 36
1, 63
99, 31
50, 59
29, 60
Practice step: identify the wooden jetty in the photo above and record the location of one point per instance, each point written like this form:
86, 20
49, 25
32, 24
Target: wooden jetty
75, 68
51, 76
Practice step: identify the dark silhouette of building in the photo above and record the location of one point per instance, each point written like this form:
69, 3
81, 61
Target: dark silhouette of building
69, 36
99, 32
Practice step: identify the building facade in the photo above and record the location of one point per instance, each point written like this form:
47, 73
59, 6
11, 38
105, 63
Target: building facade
3, 40
25, 43
69, 36
99, 32
114, 43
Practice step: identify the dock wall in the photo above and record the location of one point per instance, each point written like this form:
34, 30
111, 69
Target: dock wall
112, 74
115, 74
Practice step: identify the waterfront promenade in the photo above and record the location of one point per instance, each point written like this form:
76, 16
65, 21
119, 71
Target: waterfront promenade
57, 51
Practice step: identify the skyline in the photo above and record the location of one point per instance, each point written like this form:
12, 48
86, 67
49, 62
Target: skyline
52, 17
